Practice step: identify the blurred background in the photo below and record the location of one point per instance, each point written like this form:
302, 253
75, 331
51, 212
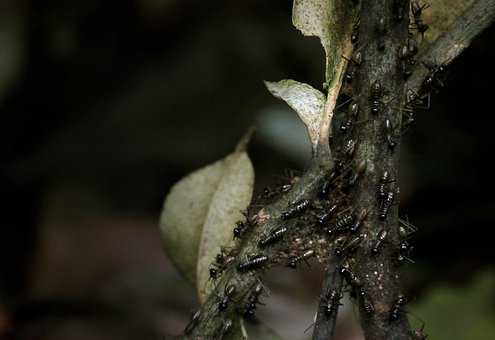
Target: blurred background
105, 104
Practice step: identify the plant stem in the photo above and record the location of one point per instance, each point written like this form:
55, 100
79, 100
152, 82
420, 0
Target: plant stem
454, 41
379, 274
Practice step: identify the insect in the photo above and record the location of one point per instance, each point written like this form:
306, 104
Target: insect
417, 11
349, 276
252, 301
252, 262
214, 272
433, 78
354, 62
356, 225
349, 148
380, 239
382, 185
192, 323
225, 301
349, 247
386, 204
352, 115
274, 236
296, 209
406, 229
332, 302
376, 94
355, 32
240, 229
396, 308
368, 306
294, 260
404, 252
342, 223
325, 217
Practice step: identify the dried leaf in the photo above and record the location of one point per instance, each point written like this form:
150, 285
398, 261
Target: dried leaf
332, 21
440, 15
308, 103
184, 213
260, 331
231, 197
200, 211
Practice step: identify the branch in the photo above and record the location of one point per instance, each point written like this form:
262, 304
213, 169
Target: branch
375, 277
211, 320
453, 42
326, 318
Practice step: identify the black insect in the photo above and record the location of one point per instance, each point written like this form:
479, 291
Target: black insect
404, 252
341, 225
332, 302
214, 272
252, 301
227, 298
356, 225
296, 209
192, 323
294, 260
433, 79
380, 239
252, 262
351, 278
385, 179
355, 33
240, 229
274, 236
385, 206
376, 94
351, 117
349, 148
349, 247
417, 11
323, 218
390, 134
354, 63
368, 306
397, 308
406, 229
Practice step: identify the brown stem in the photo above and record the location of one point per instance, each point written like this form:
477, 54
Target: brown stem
325, 324
454, 41
378, 274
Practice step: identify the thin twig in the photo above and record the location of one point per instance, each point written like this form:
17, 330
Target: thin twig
454, 41
325, 324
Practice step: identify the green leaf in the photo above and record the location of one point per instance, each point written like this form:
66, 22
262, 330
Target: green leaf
330, 20
199, 213
459, 312
308, 103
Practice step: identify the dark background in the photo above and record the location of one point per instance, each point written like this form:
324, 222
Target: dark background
105, 104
